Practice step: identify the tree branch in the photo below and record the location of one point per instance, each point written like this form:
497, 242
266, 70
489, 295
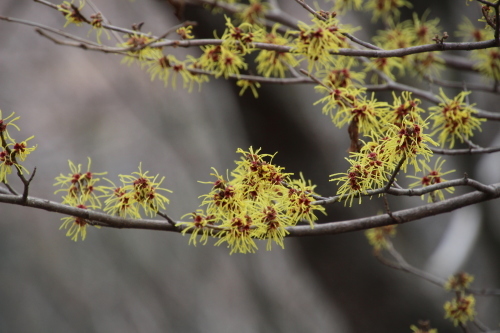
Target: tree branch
329, 228
406, 215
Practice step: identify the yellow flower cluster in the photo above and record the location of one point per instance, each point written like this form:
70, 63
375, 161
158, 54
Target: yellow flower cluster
459, 282
432, 176
396, 145
83, 190
395, 132
227, 59
379, 237
11, 151
318, 40
454, 119
386, 9
341, 74
273, 63
341, 6
460, 310
258, 202
138, 190
254, 12
487, 60
72, 13
138, 48
418, 31
423, 327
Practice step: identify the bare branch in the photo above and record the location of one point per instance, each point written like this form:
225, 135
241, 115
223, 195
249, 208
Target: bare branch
460, 85
406, 215
402, 264
467, 151
90, 215
329, 228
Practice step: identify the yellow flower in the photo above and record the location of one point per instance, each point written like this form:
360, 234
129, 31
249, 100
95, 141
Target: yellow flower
253, 13
167, 68
364, 112
258, 201
423, 327
386, 66
342, 6
427, 63
341, 75
81, 187
144, 190
5, 122
12, 152
274, 63
369, 170
459, 282
408, 141
317, 40
238, 236
460, 310
379, 237
138, 49
96, 23
469, 32
6, 165
353, 183
19, 150
300, 199
221, 60
396, 35
386, 9
240, 38
338, 100
77, 226
185, 32
488, 63
454, 119
432, 176
201, 224
245, 84
72, 13
424, 30
402, 106
161, 68
122, 203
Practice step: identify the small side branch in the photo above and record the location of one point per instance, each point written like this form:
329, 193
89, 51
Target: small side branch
402, 265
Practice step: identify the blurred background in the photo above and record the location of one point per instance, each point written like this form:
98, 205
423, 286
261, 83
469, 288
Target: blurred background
80, 103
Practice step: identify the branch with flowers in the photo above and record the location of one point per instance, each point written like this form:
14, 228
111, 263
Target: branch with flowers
461, 308
385, 138
258, 200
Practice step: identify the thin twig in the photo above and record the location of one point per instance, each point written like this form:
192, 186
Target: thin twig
105, 20
402, 264
471, 144
481, 326
394, 173
166, 217
459, 85
44, 27
10, 189
330, 228
27, 185
310, 9
467, 151
487, 189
